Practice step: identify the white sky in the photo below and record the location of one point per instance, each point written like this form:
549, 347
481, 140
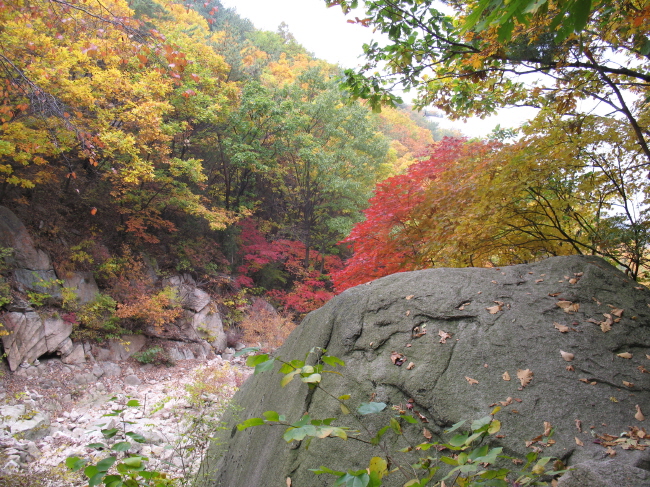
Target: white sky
325, 32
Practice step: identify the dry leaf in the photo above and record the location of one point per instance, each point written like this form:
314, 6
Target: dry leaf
408, 345
568, 306
427, 434
643, 370
470, 380
613, 399
647, 356
579, 425
495, 309
610, 451
639, 415
288, 481
539, 280
410, 366
397, 358
553, 295
443, 336
410, 296
524, 376
408, 312
597, 302
417, 332
570, 368
547, 428
617, 312
422, 418
628, 384
627, 355
506, 375
561, 328
578, 442
567, 356
586, 381
573, 280
507, 402
606, 325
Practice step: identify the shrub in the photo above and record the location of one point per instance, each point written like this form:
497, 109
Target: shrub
266, 328
155, 355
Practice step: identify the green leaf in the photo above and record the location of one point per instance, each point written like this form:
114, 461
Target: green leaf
136, 437
580, 11
121, 446
312, 379
456, 426
481, 423
264, 366
409, 419
495, 427
105, 464
113, 481
250, 422
109, 433
371, 407
332, 361
133, 462
271, 416
75, 463
289, 377
96, 479
247, 350
459, 440
253, 360
133, 403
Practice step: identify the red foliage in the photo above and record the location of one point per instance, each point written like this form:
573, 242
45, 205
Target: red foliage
378, 248
307, 289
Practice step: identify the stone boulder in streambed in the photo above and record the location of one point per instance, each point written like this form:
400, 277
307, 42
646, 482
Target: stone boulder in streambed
572, 335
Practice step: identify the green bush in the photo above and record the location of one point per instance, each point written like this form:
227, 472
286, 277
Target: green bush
155, 355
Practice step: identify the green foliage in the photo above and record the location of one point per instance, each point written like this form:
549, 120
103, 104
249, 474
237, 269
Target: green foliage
155, 355
119, 468
465, 459
97, 320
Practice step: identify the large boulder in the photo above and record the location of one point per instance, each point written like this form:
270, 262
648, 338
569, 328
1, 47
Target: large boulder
480, 324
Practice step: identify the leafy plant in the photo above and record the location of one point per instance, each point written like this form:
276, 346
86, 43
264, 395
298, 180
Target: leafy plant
119, 468
155, 355
466, 459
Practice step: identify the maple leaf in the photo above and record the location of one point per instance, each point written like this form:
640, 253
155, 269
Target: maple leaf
524, 376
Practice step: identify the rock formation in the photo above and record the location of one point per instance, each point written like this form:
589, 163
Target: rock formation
469, 334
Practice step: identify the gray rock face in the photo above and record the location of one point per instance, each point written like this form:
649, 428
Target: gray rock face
26, 339
14, 234
84, 286
512, 319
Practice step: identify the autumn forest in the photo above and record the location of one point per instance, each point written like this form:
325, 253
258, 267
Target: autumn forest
160, 136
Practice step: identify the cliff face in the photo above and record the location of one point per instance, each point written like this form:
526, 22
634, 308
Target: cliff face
452, 343
34, 324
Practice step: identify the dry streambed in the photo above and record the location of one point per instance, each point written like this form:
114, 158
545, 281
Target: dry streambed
52, 411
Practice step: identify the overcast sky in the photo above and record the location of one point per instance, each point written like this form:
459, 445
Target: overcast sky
326, 33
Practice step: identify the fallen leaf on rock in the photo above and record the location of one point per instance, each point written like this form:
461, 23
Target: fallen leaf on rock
470, 380
288, 481
418, 332
507, 402
422, 418
539, 280
626, 355
567, 356
617, 312
408, 312
495, 309
647, 356
570, 368
506, 375
643, 370
578, 442
410, 366
561, 328
579, 425
427, 434
524, 376
553, 295
494, 282
610, 451
408, 345
628, 384
573, 280
547, 428
517, 461
586, 381
462, 306
568, 306
613, 399
597, 302
443, 336
606, 325
411, 296
397, 358
639, 415
518, 400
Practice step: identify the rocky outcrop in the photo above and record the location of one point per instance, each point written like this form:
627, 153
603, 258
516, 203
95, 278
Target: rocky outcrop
451, 343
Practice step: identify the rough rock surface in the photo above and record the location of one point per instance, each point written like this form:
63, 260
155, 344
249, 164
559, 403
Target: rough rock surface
500, 320
14, 234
